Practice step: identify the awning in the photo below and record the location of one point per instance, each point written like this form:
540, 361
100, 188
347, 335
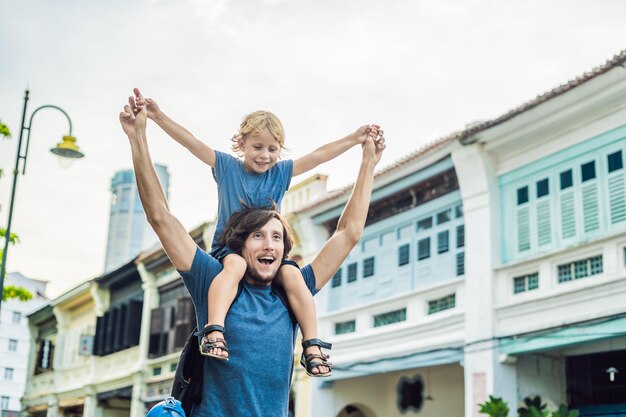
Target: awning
564, 336
442, 356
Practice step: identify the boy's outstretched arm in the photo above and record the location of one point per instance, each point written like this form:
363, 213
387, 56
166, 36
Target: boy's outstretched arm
181, 135
352, 220
333, 149
177, 243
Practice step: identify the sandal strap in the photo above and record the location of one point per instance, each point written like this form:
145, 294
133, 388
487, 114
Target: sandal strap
309, 362
209, 329
316, 342
211, 343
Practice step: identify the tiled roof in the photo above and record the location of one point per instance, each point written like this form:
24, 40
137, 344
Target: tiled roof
617, 60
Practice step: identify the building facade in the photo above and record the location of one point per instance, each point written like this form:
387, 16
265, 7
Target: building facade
15, 342
493, 262
129, 232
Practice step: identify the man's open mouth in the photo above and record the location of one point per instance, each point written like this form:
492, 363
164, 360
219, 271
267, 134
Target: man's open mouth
267, 260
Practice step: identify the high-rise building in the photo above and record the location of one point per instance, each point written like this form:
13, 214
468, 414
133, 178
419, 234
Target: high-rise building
15, 342
129, 232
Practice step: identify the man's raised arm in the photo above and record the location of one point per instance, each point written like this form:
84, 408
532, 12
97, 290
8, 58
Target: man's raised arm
177, 243
352, 220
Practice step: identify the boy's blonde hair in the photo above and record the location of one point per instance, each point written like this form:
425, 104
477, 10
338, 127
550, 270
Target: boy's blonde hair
255, 123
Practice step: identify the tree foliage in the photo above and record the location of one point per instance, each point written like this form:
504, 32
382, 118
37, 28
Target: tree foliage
11, 292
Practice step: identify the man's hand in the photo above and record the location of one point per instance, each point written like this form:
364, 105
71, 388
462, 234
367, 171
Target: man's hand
362, 133
374, 146
151, 106
133, 118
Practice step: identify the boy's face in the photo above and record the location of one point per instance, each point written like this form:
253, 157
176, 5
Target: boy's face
260, 152
263, 252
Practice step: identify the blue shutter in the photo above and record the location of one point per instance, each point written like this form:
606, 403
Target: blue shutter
591, 218
617, 198
523, 229
544, 228
568, 214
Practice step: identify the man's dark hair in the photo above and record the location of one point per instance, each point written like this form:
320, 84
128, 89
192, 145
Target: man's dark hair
242, 223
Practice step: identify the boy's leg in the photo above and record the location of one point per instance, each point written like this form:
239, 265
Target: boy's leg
222, 293
303, 307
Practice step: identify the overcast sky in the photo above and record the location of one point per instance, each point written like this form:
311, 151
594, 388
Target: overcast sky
422, 69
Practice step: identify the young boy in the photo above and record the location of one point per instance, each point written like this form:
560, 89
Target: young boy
258, 179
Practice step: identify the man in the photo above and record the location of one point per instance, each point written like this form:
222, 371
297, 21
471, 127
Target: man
255, 381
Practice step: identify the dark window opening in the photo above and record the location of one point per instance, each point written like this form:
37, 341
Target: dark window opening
588, 171
522, 195
566, 179
543, 188
615, 161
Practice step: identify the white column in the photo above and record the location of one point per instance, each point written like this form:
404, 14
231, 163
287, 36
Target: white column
137, 406
91, 408
53, 408
484, 374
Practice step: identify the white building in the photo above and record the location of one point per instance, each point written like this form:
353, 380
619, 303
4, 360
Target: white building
129, 232
493, 262
15, 342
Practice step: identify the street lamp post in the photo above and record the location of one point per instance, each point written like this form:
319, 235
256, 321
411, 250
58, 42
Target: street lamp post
65, 149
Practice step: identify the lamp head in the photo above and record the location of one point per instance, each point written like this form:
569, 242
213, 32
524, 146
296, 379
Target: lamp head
67, 148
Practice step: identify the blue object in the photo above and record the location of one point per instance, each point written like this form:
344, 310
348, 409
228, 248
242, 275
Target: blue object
169, 407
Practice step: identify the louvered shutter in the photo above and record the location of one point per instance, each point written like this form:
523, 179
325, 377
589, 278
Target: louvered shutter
591, 215
617, 197
156, 324
544, 222
184, 321
523, 229
568, 214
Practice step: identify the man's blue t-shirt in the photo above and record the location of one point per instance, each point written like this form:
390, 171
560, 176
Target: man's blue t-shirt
255, 381
235, 185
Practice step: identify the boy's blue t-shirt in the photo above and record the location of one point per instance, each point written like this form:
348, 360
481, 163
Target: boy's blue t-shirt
261, 339
236, 185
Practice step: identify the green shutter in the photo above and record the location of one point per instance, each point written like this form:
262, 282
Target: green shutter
617, 198
523, 229
544, 232
591, 219
568, 215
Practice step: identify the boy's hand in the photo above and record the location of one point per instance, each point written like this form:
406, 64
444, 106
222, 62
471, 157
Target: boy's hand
133, 118
362, 133
151, 106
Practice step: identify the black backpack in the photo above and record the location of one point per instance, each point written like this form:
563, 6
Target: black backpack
189, 375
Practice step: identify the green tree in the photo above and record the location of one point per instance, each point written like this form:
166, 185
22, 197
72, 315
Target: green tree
5, 133
10, 291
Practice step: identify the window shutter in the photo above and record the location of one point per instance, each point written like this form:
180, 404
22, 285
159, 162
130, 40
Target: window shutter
591, 218
617, 197
108, 338
523, 229
133, 324
39, 367
97, 342
544, 227
120, 324
568, 214
156, 324
184, 321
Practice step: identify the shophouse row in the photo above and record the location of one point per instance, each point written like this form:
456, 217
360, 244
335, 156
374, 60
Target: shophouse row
493, 262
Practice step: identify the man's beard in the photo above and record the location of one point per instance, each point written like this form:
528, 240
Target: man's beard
256, 279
